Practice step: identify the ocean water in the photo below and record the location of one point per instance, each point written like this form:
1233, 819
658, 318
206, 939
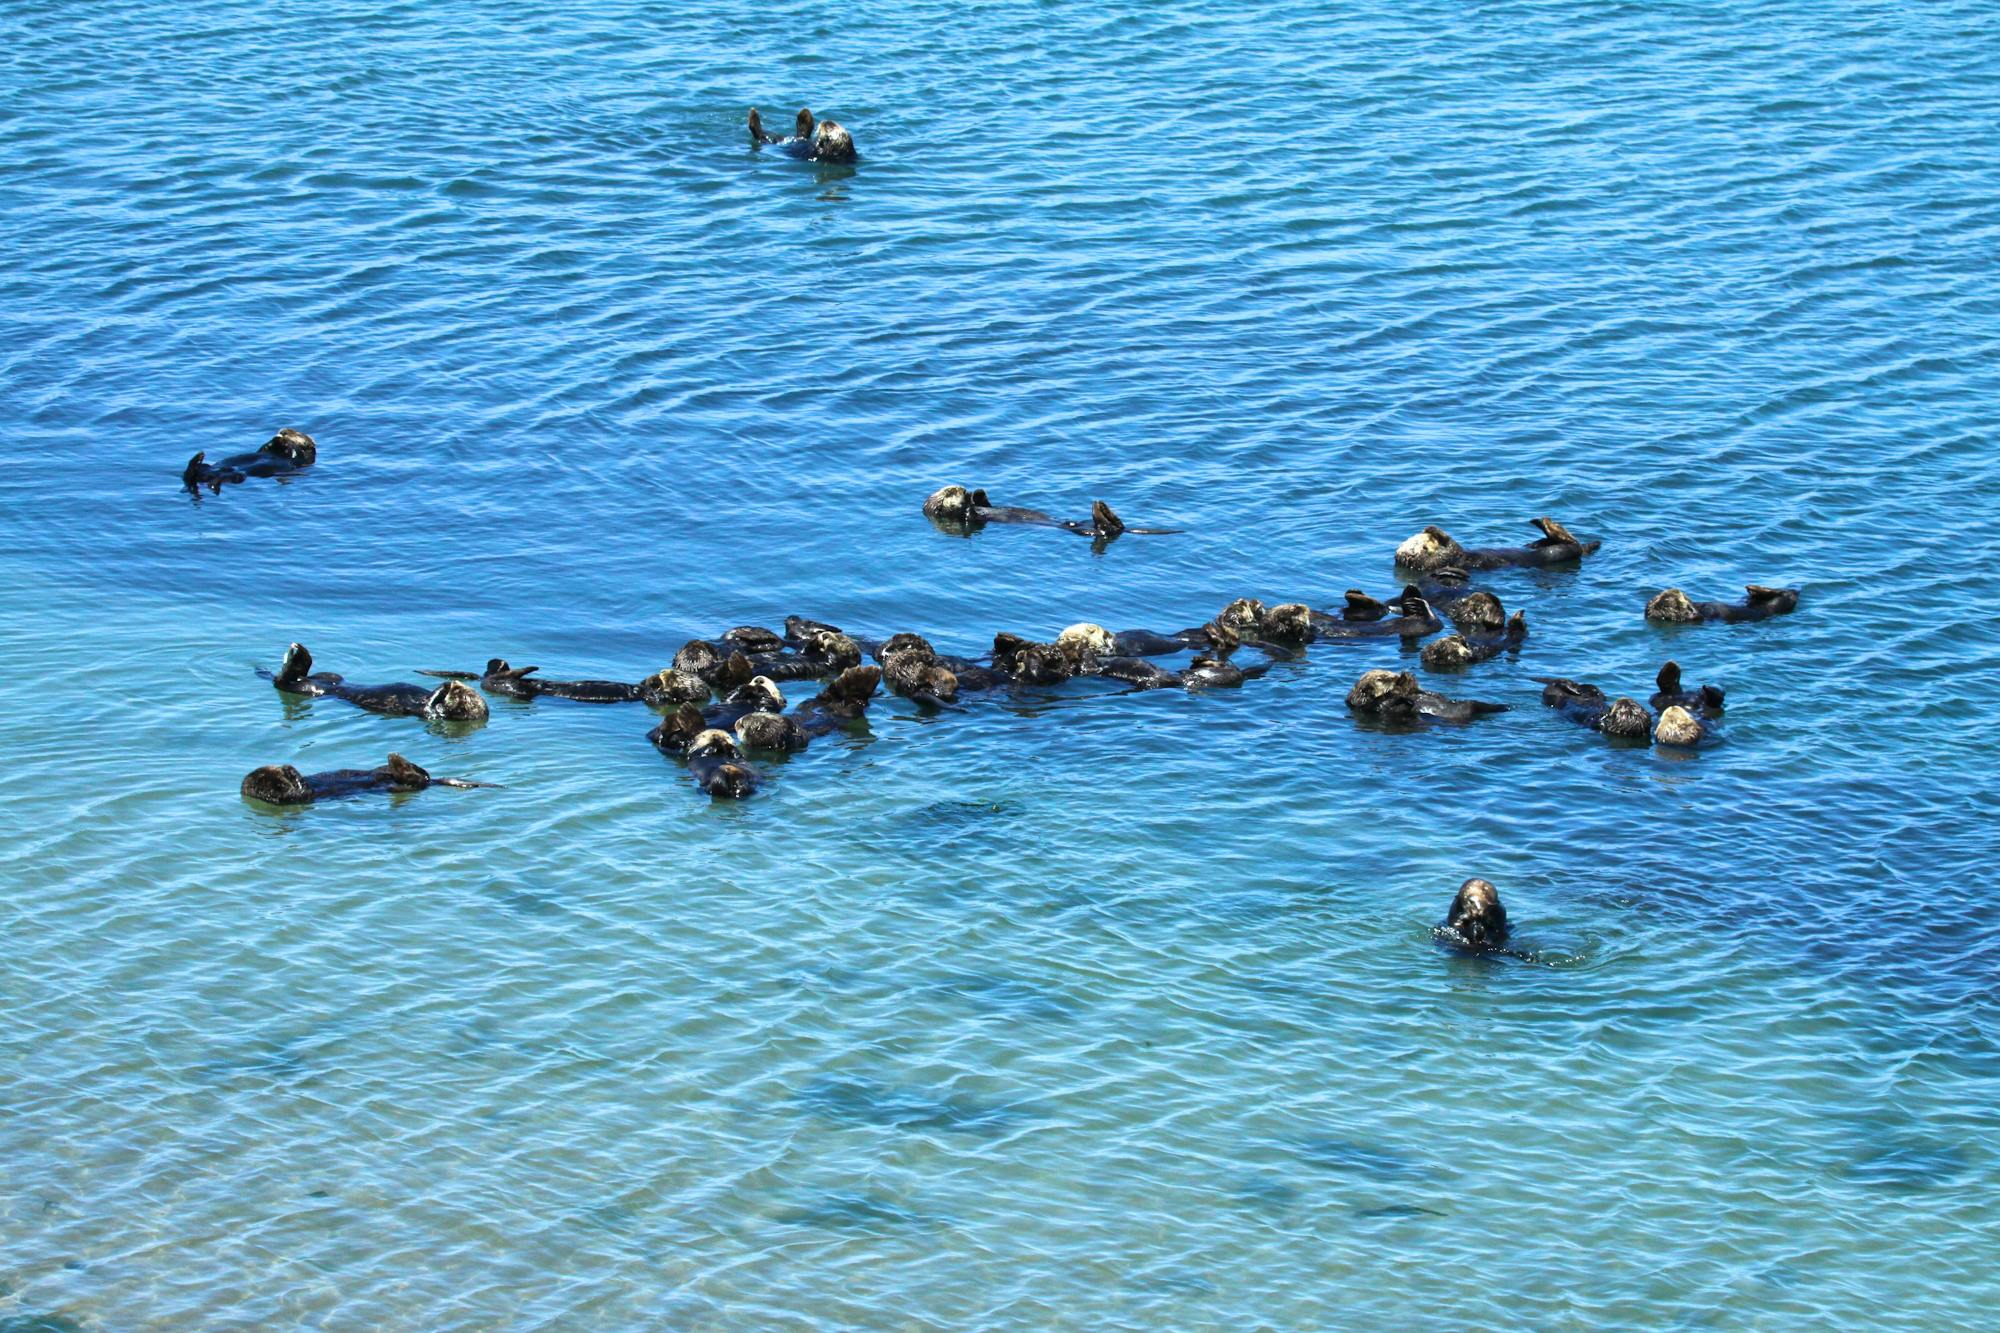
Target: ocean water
1072, 1008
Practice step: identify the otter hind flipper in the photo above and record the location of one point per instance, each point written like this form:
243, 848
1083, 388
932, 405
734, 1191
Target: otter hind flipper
1104, 521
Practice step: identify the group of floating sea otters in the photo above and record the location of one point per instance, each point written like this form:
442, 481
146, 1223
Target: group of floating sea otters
724, 699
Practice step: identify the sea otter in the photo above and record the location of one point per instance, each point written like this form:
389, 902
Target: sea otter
1680, 727
284, 453
961, 512
1455, 652
521, 683
1414, 618
910, 667
1433, 549
1213, 637
717, 766
281, 784
1672, 607
1395, 696
1476, 921
1622, 718
453, 701
840, 701
722, 671
824, 141
1707, 699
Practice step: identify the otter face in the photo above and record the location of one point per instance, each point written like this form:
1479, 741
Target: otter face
833, 648
295, 445
1672, 607
1432, 548
1476, 915
1450, 653
905, 643
1384, 693
713, 741
1678, 727
1212, 673
673, 686
760, 695
731, 781
952, 504
1086, 640
832, 143
455, 701
1478, 613
1042, 664
699, 656
1626, 719
276, 784
1289, 622
1245, 613
769, 731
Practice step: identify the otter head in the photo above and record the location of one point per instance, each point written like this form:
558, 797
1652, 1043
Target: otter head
1451, 653
404, 775
905, 643
1085, 640
1476, 915
1385, 693
753, 639
679, 729
834, 649
277, 784
915, 672
1289, 622
713, 741
1672, 607
1042, 664
769, 731
730, 780
298, 664
1243, 614
1478, 613
1432, 548
1776, 601
760, 694
832, 143
698, 656
673, 686
295, 445
1007, 648
1626, 719
1677, 727
952, 504
455, 701
797, 627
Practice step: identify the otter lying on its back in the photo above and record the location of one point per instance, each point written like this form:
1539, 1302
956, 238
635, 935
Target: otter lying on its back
286, 452
1395, 696
453, 701
960, 512
281, 784
1433, 549
1673, 607
826, 141
1621, 718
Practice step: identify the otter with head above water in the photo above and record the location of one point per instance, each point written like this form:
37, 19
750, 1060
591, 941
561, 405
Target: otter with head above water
521, 683
453, 701
281, 784
1395, 696
1621, 719
1673, 606
1433, 550
1455, 652
1476, 921
821, 141
284, 453
959, 511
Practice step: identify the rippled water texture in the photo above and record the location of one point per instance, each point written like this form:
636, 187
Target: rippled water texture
1082, 1009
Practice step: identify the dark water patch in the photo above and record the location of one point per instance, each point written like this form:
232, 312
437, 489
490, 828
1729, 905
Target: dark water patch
865, 1101
856, 1211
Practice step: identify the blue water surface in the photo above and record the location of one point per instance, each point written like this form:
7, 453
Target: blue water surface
1073, 1008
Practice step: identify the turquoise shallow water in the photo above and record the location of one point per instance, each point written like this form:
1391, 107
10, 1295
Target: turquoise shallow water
1075, 1009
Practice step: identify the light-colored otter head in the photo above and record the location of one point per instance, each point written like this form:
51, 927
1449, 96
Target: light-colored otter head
1478, 613
1391, 693
1243, 614
1432, 548
673, 686
1678, 727
277, 784
951, 504
832, 143
455, 701
1289, 622
713, 741
1627, 719
1476, 915
1451, 653
760, 695
293, 444
1086, 640
1672, 607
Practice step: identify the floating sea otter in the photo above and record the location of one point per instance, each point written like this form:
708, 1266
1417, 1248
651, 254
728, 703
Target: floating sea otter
1622, 718
281, 784
826, 141
1476, 921
521, 683
284, 453
1455, 652
960, 511
1434, 550
1680, 727
717, 765
1395, 696
453, 701
1672, 607
1707, 699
